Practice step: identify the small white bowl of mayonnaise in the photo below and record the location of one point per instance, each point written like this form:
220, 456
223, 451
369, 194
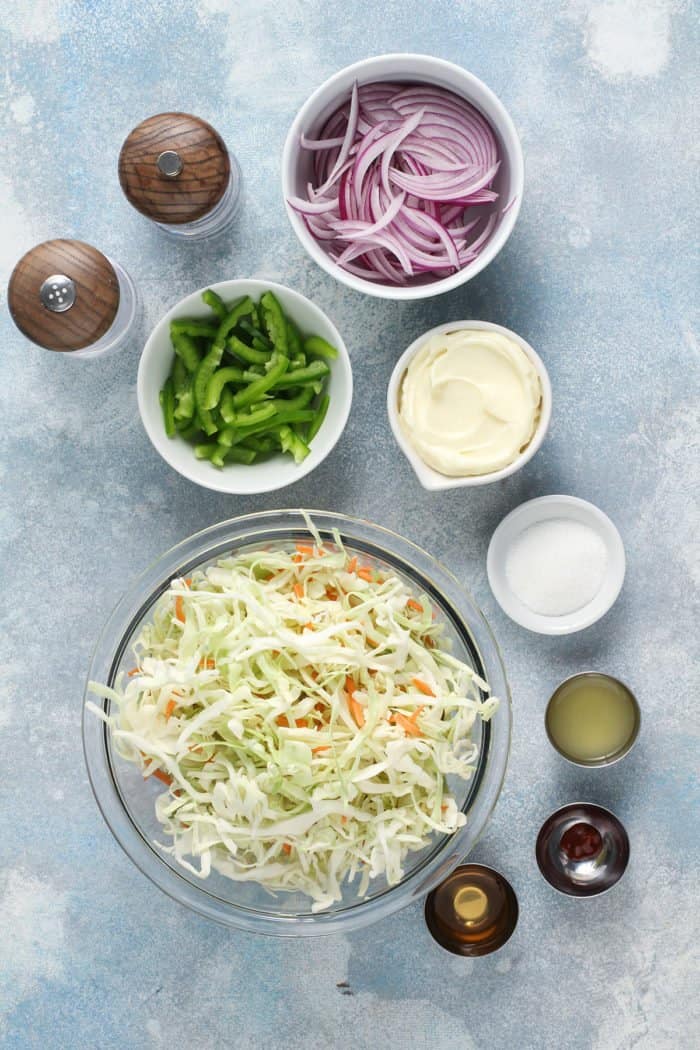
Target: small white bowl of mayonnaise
469, 403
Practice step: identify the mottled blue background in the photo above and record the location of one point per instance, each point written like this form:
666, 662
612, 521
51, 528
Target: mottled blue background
600, 276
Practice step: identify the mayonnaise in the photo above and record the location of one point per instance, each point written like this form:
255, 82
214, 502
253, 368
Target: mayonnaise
469, 402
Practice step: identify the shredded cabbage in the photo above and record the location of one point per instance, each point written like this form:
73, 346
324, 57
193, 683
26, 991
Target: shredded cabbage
303, 714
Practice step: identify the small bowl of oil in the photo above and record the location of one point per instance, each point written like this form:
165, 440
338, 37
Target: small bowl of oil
473, 912
592, 719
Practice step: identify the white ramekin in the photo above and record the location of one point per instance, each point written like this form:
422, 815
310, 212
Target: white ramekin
432, 479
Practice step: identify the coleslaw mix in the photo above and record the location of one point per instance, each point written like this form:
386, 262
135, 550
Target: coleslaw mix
303, 714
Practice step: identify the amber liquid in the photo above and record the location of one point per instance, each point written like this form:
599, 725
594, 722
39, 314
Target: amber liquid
473, 912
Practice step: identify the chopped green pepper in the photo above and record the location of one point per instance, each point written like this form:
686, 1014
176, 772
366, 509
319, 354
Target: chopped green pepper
215, 302
186, 349
317, 421
318, 347
247, 353
291, 442
217, 382
255, 390
167, 403
274, 321
316, 370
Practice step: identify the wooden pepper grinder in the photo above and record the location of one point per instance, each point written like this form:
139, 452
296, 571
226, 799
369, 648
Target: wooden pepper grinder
175, 169
67, 296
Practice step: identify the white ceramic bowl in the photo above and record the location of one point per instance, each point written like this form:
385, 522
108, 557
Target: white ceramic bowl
544, 509
237, 478
431, 479
296, 163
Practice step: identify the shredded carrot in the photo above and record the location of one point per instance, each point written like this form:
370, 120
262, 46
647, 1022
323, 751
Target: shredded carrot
343, 819
350, 686
365, 573
169, 708
409, 727
296, 558
160, 775
322, 747
332, 594
179, 609
313, 675
299, 590
188, 581
309, 627
413, 604
207, 664
133, 671
422, 687
444, 807
283, 721
352, 565
303, 548
286, 848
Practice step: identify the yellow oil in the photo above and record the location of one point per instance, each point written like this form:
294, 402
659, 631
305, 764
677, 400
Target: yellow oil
471, 903
592, 718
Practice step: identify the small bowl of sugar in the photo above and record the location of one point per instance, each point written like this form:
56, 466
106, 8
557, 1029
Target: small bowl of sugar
556, 564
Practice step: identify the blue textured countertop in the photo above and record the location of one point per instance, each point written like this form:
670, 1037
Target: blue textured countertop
599, 276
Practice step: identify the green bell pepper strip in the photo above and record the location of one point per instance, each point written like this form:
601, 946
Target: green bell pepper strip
255, 333
318, 347
241, 309
178, 374
255, 390
241, 421
215, 303
295, 347
301, 400
298, 377
167, 403
291, 442
216, 384
184, 409
247, 353
202, 376
193, 326
206, 450
226, 405
236, 455
184, 399
186, 349
190, 432
259, 444
317, 421
237, 434
274, 321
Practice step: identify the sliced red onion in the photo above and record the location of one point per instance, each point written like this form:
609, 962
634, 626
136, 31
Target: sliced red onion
396, 169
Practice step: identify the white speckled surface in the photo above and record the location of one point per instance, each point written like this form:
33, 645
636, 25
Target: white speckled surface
599, 276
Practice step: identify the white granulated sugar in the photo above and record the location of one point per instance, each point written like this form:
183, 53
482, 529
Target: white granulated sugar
556, 567
626, 38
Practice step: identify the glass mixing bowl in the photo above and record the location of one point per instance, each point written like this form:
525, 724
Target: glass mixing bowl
126, 800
